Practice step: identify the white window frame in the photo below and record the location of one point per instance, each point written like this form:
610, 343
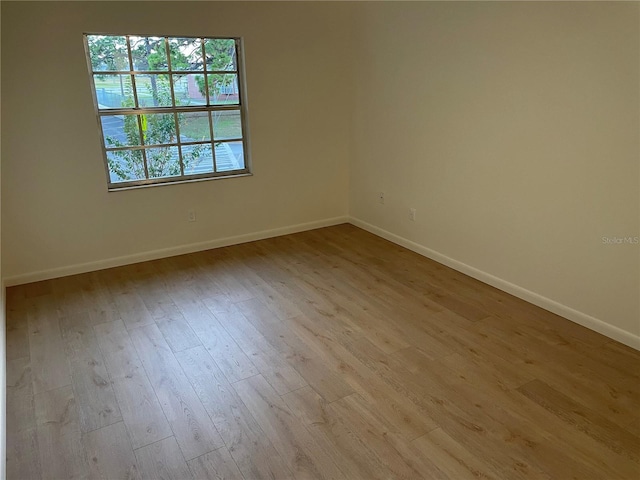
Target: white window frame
209, 107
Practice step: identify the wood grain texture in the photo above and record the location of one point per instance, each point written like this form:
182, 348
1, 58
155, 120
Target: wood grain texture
19, 377
96, 402
17, 341
61, 451
217, 465
130, 307
20, 417
300, 355
57, 410
178, 334
163, 460
49, 364
273, 366
251, 449
590, 423
189, 421
452, 459
233, 362
304, 456
343, 444
23, 455
20, 406
325, 354
61, 456
141, 410
109, 454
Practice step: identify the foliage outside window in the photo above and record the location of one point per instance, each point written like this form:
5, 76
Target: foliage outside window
170, 108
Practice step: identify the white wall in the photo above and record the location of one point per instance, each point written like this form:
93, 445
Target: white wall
3, 329
513, 130
56, 211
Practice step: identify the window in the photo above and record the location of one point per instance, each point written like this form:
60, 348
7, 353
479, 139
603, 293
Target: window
169, 108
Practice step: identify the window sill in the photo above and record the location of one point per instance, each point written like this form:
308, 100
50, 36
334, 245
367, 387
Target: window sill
133, 186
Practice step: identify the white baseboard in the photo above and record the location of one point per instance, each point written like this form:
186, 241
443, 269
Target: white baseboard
576, 316
168, 252
3, 385
569, 313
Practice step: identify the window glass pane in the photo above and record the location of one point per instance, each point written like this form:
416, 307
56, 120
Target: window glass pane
223, 89
158, 128
113, 91
226, 125
189, 89
163, 162
186, 54
120, 130
125, 165
194, 127
197, 159
153, 90
229, 156
221, 54
145, 78
108, 53
148, 53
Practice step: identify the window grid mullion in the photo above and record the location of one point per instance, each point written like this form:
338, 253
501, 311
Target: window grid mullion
173, 144
133, 77
144, 153
175, 110
180, 159
174, 104
238, 79
206, 77
206, 90
161, 72
213, 143
183, 108
243, 112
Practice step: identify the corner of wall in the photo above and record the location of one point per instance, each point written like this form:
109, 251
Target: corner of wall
3, 356
553, 306
3, 382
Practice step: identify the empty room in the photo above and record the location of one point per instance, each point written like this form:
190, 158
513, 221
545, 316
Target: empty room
320, 240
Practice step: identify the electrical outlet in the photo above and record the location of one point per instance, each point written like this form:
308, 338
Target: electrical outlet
192, 215
381, 197
412, 214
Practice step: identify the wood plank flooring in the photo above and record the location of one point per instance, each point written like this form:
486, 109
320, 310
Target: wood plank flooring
329, 354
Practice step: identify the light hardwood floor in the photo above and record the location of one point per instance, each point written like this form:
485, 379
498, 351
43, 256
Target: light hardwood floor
329, 354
